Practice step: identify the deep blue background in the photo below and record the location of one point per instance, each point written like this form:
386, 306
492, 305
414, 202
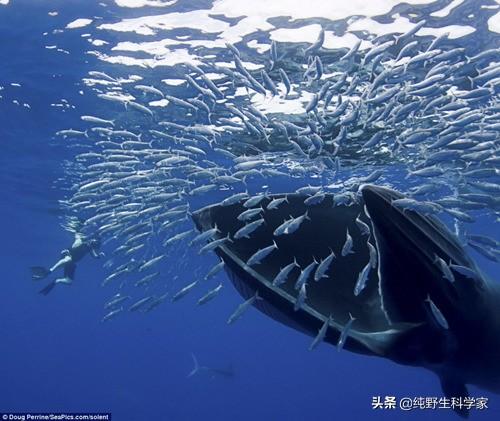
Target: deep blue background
55, 355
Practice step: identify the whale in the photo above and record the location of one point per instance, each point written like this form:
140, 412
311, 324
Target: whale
407, 310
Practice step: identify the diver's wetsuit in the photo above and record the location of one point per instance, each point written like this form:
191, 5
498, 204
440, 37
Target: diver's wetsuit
68, 261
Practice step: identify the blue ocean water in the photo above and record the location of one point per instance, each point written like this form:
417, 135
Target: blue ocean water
55, 354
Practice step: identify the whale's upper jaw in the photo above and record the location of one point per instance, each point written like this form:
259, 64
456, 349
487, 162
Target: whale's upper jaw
408, 244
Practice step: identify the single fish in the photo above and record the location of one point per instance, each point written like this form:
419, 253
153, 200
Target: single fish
465, 271
210, 295
243, 307
445, 269
344, 334
436, 313
150, 263
181, 293
146, 279
215, 270
301, 298
140, 304
261, 254
249, 214
304, 274
282, 275
205, 236
347, 247
321, 334
324, 266
212, 245
248, 229
362, 279
112, 314
117, 299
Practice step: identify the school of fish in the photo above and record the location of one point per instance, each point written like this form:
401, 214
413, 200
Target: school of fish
407, 104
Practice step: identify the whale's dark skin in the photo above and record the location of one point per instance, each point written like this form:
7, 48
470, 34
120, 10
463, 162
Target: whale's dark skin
393, 320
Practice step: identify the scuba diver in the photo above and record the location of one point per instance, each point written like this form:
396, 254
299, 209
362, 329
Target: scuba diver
68, 260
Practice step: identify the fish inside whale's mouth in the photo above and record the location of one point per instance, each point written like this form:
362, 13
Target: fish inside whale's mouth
322, 231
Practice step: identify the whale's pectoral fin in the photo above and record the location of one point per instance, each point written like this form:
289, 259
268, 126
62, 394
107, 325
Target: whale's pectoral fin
454, 389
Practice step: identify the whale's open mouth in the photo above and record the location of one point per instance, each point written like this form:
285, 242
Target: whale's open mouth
321, 232
363, 257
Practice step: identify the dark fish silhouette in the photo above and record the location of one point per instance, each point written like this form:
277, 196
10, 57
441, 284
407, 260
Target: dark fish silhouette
211, 371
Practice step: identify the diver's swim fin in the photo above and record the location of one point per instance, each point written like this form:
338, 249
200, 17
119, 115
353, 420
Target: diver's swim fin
48, 288
39, 272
